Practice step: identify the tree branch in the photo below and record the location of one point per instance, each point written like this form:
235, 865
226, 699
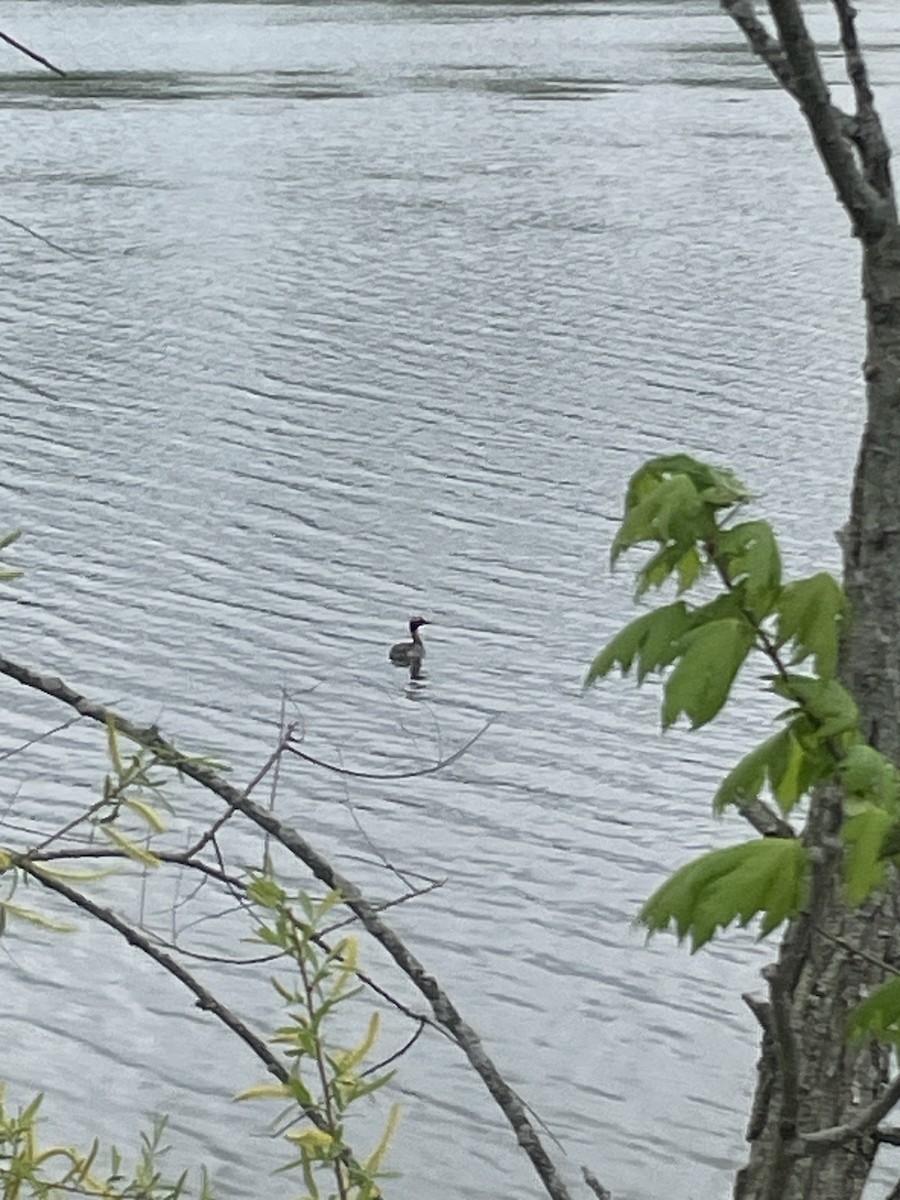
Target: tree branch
864, 1122
205, 999
870, 139
444, 1011
866, 208
743, 13
39, 58
793, 60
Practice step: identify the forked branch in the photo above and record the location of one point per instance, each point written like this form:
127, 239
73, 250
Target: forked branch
444, 1010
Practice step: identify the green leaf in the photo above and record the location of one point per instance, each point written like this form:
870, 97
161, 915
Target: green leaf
672, 511
671, 559
864, 864
879, 1015
830, 706
36, 918
764, 877
129, 847
265, 892
782, 764
869, 775
711, 657
753, 561
717, 484
811, 613
651, 639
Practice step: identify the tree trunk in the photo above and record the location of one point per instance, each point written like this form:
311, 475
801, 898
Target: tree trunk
832, 956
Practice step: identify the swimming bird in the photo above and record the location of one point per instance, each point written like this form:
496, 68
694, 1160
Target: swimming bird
410, 654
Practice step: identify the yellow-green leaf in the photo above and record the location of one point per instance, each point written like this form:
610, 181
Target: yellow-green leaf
146, 812
266, 1091
130, 848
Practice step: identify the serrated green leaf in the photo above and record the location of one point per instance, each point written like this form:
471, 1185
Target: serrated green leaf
765, 877
672, 511
811, 613
745, 781
754, 563
864, 865
879, 1015
720, 485
651, 639
869, 775
782, 764
672, 559
711, 657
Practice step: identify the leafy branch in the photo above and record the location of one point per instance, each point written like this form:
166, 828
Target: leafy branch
686, 511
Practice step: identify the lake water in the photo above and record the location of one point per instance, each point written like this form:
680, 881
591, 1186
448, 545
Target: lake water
367, 309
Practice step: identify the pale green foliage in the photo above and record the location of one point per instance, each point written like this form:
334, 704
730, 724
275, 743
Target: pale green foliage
327, 1080
710, 657
684, 511
763, 877
810, 614
879, 1015
30, 1169
9, 572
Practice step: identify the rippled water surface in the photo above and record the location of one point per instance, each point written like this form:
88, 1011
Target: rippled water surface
365, 309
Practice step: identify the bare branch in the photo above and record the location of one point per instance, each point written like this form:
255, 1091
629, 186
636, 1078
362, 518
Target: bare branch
39, 737
595, 1185
393, 776
38, 58
445, 1012
870, 139
785, 1048
764, 819
793, 60
864, 205
864, 1122
743, 13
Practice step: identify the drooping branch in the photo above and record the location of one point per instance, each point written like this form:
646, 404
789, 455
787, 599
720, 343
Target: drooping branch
444, 1010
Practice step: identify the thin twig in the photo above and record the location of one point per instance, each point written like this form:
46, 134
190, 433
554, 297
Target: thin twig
389, 776
40, 737
38, 58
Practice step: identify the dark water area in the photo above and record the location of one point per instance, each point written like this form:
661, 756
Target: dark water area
368, 309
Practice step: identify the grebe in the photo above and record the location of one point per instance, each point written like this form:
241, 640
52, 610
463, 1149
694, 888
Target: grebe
409, 654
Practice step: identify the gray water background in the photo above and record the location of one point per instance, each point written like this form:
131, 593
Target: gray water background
373, 309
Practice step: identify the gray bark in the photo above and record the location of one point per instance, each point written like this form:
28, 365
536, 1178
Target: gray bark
814, 1086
